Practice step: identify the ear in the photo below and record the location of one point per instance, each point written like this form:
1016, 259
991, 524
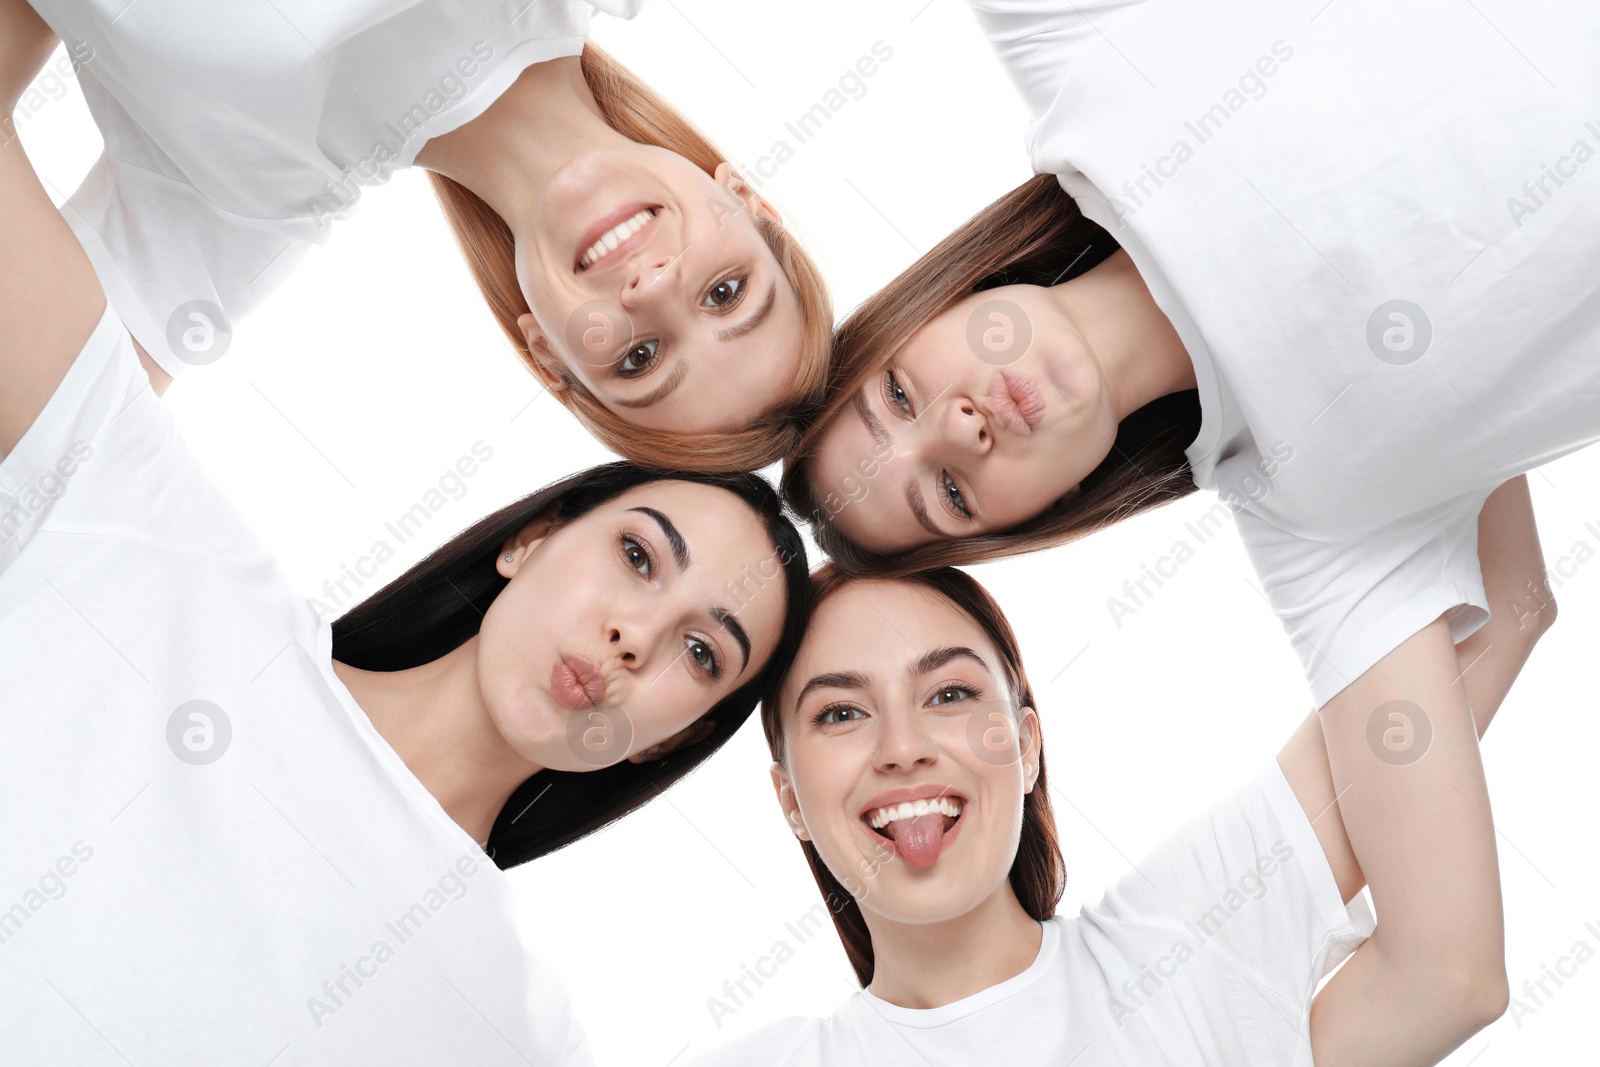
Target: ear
545, 366
522, 543
788, 802
695, 732
753, 201
1032, 745
1070, 493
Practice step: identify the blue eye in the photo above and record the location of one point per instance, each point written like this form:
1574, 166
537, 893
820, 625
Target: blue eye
894, 394
639, 359
952, 495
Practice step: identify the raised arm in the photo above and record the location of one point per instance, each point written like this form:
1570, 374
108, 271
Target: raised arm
1430, 975
50, 299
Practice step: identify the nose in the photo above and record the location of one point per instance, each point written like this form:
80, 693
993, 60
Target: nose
650, 279
964, 424
903, 744
638, 637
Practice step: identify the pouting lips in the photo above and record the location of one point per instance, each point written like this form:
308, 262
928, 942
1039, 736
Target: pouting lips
1016, 402
576, 683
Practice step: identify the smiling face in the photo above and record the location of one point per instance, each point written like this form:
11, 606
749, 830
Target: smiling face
652, 287
905, 760
622, 627
990, 413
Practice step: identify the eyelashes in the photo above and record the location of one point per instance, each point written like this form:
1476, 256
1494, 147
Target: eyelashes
636, 551
960, 691
640, 557
721, 298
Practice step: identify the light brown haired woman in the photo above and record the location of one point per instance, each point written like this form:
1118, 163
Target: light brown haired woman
657, 295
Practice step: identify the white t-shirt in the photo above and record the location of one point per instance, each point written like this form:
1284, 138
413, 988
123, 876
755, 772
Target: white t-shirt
235, 133
1207, 954
211, 856
1282, 179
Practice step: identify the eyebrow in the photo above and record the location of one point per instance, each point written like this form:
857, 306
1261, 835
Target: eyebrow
933, 660
660, 392
680, 548
727, 620
869, 418
833, 680
751, 321
919, 509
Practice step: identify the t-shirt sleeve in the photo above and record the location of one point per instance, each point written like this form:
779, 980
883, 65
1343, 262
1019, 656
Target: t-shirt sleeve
104, 457
180, 270
1347, 604
1249, 884
1035, 40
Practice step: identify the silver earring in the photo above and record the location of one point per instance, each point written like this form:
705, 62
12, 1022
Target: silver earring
511, 557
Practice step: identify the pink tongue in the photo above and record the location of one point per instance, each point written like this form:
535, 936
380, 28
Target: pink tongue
918, 839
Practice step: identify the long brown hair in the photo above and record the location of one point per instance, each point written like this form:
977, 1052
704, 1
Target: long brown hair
1038, 873
1034, 235
637, 112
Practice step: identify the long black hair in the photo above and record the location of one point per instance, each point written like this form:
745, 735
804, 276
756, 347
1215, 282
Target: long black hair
439, 603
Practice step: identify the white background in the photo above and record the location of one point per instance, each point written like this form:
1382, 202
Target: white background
362, 381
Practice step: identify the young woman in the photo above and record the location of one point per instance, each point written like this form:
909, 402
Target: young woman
237, 833
909, 762
1346, 284
642, 280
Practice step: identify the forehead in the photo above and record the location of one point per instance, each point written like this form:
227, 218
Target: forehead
862, 484
878, 628
710, 518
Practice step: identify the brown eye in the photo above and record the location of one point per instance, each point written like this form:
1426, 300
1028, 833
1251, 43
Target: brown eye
704, 656
637, 557
639, 359
724, 294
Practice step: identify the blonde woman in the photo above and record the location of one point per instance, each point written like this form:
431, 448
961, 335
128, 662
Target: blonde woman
656, 294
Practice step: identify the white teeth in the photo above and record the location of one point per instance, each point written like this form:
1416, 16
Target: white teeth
881, 817
613, 237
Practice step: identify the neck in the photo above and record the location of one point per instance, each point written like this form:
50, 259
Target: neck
1141, 356
434, 717
929, 965
507, 154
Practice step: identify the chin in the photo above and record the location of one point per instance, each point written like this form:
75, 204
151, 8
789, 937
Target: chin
529, 724
923, 905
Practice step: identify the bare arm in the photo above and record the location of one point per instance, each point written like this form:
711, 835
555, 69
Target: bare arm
1521, 605
50, 299
1391, 1004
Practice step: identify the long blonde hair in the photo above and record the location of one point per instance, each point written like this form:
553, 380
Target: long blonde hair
638, 113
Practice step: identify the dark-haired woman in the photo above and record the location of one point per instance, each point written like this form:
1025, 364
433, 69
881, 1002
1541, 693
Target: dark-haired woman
909, 761
235, 833
1343, 279
656, 293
